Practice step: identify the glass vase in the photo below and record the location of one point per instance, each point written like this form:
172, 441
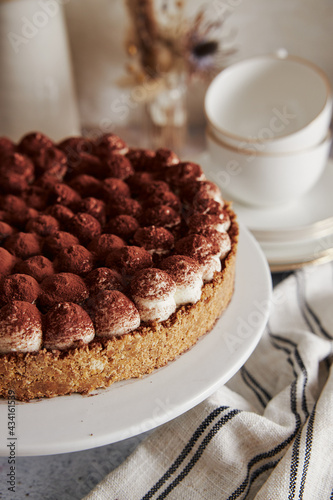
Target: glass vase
166, 114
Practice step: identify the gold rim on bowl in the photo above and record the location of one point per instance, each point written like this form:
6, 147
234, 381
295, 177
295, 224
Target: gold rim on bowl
298, 59
247, 152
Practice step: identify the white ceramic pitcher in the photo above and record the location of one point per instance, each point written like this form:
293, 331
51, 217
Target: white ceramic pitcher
36, 83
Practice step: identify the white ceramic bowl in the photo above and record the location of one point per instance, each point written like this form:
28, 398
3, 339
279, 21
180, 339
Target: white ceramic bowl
270, 104
262, 179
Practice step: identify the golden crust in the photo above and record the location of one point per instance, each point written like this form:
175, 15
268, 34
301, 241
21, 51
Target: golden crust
103, 362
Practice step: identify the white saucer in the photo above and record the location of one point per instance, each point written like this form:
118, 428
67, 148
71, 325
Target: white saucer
292, 235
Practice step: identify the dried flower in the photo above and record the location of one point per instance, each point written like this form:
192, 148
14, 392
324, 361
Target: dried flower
146, 34
164, 41
204, 53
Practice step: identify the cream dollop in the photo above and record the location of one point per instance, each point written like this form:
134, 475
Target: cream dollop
187, 274
198, 222
209, 266
204, 250
65, 325
113, 313
20, 328
222, 240
153, 292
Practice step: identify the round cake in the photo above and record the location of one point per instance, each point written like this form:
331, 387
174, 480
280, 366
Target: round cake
113, 262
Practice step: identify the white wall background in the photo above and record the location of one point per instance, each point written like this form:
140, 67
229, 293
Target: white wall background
97, 29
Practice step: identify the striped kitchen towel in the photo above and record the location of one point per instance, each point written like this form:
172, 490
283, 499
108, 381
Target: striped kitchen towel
268, 433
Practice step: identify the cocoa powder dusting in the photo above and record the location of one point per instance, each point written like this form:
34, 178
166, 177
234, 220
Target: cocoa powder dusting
58, 241
83, 222
117, 166
74, 259
181, 268
152, 284
85, 227
154, 238
129, 259
42, 225
113, 313
123, 226
104, 244
5, 230
23, 245
32, 143
196, 246
104, 278
39, 267
65, 325
7, 261
62, 287
19, 287
21, 327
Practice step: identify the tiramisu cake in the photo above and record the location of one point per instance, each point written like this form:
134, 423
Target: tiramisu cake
113, 261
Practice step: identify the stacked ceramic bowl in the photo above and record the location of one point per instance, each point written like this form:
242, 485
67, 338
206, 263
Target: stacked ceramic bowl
268, 132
